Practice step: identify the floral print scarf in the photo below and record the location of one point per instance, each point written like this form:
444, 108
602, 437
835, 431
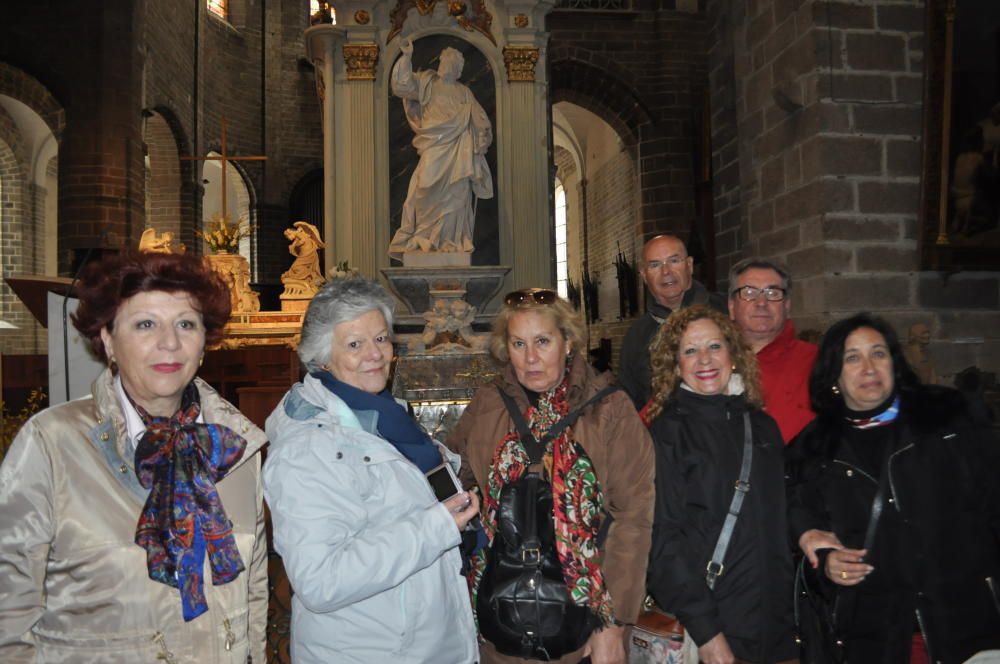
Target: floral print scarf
577, 502
179, 460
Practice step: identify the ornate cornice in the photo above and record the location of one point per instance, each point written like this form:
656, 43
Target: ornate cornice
520, 62
361, 60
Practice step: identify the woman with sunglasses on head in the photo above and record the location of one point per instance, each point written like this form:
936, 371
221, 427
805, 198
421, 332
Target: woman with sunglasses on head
594, 529
905, 478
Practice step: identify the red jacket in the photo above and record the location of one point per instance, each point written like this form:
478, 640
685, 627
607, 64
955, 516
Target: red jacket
785, 364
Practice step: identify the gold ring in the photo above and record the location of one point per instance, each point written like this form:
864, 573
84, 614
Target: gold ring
843, 575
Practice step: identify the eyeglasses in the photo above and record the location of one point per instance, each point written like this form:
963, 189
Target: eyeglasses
537, 295
751, 293
673, 261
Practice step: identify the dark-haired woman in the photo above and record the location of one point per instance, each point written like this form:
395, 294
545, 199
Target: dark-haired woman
926, 589
131, 521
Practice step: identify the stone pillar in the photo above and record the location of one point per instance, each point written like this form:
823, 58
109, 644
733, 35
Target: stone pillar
356, 127
525, 173
321, 47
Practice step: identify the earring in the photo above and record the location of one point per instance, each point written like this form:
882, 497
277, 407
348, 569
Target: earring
835, 390
201, 360
734, 367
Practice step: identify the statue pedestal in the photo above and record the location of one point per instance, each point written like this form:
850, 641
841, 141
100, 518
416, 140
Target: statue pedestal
419, 287
437, 259
294, 303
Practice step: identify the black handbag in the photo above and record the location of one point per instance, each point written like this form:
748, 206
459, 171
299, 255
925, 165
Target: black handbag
523, 606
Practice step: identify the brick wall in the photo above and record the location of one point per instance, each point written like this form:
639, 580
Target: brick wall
641, 71
817, 155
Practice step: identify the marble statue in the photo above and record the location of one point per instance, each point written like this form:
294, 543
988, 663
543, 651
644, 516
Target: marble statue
155, 243
451, 135
917, 355
304, 277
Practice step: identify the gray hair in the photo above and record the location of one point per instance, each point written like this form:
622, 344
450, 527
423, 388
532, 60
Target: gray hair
339, 301
759, 264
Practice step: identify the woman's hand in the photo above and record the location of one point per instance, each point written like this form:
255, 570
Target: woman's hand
406, 46
606, 646
716, 651
463, 507
813, 540
846, 567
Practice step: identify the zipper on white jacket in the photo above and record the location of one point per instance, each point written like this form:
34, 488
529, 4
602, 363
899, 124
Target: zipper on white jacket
164, 653
229, 634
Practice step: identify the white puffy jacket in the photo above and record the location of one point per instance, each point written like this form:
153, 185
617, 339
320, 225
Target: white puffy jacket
371, 555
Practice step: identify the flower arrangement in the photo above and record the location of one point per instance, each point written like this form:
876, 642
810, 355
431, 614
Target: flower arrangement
11, 423
222, 235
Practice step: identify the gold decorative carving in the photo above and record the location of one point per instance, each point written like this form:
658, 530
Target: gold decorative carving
362, 17
154, 243
521, 20
360, 60
303, 279
472, 15
520, 62
235, 271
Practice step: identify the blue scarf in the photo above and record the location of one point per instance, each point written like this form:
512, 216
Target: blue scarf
394, 423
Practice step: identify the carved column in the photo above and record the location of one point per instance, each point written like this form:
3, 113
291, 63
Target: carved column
357, 126
321, 47
528, 177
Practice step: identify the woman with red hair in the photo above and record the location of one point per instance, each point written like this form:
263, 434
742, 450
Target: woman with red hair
115, 508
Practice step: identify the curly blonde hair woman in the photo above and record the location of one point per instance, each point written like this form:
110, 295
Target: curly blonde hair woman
708, 430
663, 356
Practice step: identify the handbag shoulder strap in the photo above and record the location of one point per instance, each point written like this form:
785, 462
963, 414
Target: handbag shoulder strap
715, 566
535, 448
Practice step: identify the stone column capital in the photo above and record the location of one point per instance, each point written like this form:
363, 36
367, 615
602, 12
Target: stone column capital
520, 62
361, 61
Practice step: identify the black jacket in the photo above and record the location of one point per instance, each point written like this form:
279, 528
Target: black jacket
699, 449
936, 552
633, 371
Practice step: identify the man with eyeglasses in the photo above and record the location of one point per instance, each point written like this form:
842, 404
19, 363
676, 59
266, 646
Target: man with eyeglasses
667, 271
760, 304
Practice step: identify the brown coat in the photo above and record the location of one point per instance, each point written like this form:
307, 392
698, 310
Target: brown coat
622, 452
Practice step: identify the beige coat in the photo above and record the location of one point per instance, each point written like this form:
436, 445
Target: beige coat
622, 453
73, 584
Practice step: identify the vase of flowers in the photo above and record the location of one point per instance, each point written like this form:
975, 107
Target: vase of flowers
222, 235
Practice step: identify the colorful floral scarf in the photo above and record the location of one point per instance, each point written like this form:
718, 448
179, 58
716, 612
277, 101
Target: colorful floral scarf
180, 460
577, 502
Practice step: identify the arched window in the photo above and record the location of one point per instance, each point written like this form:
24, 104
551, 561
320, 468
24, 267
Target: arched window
562, 273
219, 7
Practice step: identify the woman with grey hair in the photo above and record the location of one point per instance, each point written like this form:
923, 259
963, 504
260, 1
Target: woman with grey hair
371, 553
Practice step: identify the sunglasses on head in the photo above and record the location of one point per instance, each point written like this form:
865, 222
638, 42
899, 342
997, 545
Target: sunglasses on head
536, 295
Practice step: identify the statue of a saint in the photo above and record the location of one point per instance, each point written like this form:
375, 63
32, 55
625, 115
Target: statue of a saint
451, 135
304, 277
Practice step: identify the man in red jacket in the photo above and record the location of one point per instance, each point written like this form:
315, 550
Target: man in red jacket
759, 304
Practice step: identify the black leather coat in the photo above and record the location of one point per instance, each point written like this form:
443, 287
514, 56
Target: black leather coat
937, 549
699, 449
